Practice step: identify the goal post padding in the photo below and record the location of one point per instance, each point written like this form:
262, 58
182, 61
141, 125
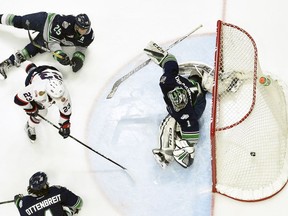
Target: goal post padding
249, 121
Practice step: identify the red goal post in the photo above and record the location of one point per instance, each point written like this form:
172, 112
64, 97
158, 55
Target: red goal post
249, 123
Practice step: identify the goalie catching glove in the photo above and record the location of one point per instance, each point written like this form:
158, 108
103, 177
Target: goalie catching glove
157, 54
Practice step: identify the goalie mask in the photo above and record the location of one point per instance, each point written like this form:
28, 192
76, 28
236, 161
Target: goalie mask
178, 98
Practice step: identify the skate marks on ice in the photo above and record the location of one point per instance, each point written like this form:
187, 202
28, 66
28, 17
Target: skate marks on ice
126, 127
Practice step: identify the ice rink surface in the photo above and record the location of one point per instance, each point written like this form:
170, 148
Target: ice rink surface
125, 128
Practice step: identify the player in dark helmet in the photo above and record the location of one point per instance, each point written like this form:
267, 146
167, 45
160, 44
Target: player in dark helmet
83, 24
38, 184
42, 198
55, 31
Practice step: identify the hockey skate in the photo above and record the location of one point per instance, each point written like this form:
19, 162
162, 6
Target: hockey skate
30, 132
4, 67
162, 158
19, 58
14, 60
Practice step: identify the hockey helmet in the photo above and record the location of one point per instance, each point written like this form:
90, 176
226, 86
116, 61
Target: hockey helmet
83, 21
30, 67
38, 181
55, 88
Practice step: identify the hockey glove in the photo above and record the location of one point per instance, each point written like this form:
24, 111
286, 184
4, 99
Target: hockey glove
157, 54
64, 129
77, 61
32, 111
17, 198
74, 211
61, 57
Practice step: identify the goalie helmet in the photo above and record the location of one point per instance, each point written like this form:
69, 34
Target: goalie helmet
55, 88
83, 21
38, 181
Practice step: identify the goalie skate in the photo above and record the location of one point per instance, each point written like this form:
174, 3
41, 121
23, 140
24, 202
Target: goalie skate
30, 132
162, 158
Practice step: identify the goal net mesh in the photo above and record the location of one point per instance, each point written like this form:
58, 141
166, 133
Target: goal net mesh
249, 121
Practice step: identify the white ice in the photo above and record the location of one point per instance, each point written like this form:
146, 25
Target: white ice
124, 129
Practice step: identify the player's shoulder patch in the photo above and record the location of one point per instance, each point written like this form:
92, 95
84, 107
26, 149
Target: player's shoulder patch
66, 24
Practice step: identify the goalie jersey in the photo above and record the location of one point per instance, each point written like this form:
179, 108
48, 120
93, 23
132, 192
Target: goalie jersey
184, 98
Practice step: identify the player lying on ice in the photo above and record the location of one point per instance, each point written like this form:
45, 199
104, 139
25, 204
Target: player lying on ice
185, 100
54, 32
184, 89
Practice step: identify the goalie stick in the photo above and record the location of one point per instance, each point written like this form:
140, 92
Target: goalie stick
126, 76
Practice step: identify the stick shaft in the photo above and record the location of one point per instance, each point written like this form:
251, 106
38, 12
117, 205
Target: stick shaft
126, 76
83, 143
5, 202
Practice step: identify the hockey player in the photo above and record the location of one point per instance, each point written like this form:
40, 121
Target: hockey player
186, 101
44, 87
43, 199
54, 32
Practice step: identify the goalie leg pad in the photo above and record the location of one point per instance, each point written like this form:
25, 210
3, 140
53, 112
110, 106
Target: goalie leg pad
167, 136
184, 153
167, 133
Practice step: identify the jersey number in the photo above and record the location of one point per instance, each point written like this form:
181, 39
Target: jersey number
57, 30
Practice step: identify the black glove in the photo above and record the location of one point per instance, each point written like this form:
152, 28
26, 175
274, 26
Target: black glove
77, 61
61, 57
64, 129
32, 111
17, 198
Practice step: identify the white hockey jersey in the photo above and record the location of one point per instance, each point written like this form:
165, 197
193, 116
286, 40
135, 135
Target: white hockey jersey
36, 91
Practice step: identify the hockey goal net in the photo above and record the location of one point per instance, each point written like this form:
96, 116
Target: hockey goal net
249, 121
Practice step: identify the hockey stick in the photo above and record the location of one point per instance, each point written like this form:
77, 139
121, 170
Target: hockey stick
41, 47
83, 143
126, 76
5, 202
